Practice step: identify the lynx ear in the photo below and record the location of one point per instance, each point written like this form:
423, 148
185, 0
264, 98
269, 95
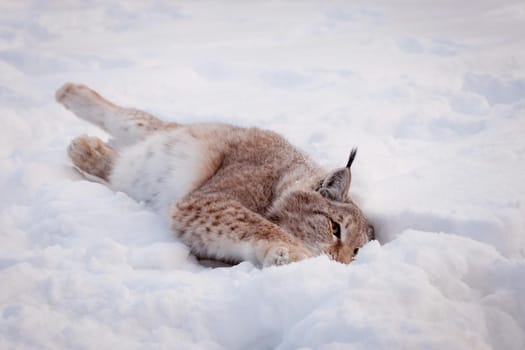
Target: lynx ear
336, 184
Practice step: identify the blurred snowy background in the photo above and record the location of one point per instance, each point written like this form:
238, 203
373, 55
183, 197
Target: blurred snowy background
432, 93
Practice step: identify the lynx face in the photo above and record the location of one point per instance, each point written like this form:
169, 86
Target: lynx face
325, 217
350, 229
335, 228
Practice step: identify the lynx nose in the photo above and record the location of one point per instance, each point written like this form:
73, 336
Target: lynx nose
371, 233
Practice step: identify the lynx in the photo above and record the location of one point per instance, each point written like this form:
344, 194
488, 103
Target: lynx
230, 193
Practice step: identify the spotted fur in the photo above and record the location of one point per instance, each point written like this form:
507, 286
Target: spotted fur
230, 193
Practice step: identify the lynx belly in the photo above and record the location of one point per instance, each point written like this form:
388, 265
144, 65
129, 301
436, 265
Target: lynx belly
160, 169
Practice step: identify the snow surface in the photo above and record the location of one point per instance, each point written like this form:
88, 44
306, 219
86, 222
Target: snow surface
433, 93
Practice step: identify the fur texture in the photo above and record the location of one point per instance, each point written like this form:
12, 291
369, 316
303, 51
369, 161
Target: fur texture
230, 193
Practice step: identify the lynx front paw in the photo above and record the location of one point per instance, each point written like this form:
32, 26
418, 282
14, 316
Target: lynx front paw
276, 256
281, 255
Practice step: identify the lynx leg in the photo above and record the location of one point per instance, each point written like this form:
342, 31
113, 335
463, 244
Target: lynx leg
219, 228
92, 155
126, 125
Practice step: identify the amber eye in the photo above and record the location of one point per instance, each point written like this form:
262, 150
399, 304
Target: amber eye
336, 229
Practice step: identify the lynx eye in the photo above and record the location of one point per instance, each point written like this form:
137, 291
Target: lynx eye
336, 229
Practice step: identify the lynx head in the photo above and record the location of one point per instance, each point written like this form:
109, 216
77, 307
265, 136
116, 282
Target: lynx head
324, 217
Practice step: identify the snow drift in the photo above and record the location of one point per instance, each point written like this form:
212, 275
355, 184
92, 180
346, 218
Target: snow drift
433, 95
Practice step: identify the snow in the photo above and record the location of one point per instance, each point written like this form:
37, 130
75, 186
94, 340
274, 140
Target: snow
433, 94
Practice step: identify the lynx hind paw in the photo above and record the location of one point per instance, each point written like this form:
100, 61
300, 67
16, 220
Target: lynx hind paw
90, 154
76, 95
80, 149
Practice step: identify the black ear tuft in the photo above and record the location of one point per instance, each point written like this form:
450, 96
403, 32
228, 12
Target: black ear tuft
353, 152
336, 184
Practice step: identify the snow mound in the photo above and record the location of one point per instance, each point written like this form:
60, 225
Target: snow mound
437, 108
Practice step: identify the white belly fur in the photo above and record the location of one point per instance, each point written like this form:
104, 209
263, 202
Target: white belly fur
160, 169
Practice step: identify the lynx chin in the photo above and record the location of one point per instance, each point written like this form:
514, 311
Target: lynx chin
230, 193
